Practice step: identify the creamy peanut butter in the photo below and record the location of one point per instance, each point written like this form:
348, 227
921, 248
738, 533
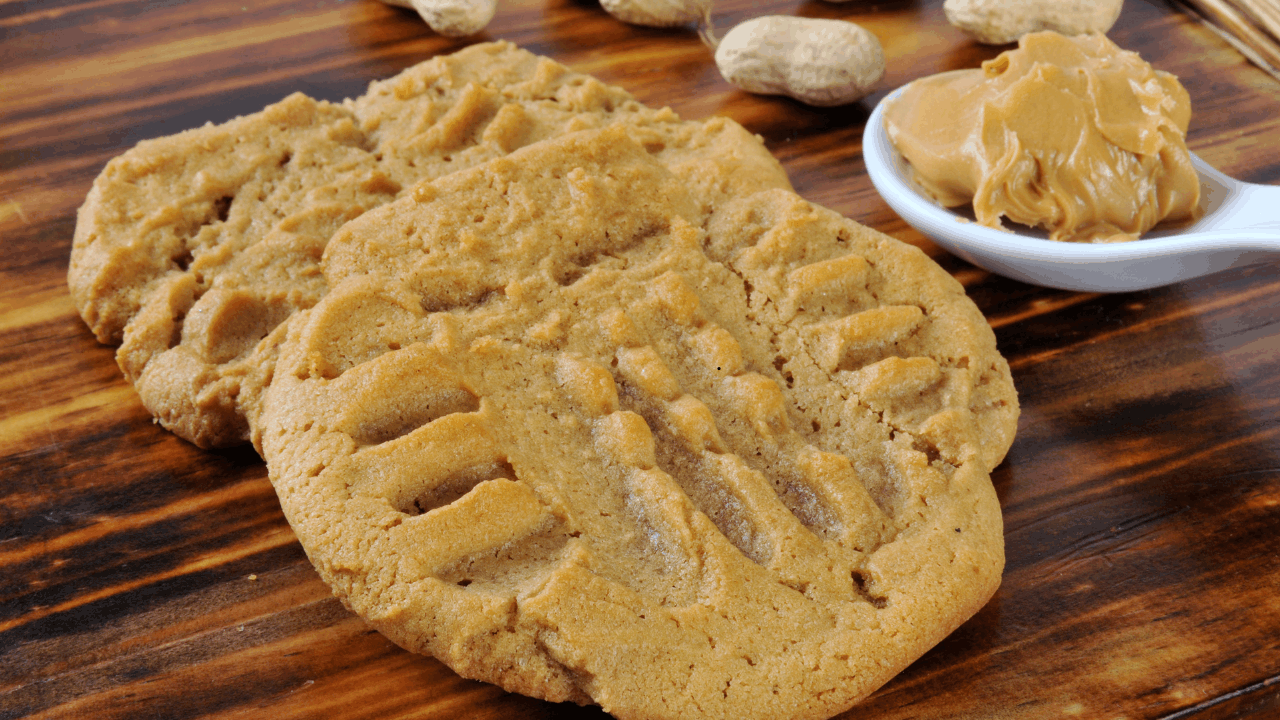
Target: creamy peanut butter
1071, 134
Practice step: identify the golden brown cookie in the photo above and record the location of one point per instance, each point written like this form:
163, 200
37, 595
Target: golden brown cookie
558, 427
191, 250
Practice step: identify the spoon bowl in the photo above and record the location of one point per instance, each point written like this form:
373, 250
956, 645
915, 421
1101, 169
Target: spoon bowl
1240, 226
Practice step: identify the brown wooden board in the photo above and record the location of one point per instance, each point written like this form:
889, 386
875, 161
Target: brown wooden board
143, 577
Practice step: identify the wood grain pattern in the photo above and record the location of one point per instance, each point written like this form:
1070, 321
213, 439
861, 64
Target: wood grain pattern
143, 577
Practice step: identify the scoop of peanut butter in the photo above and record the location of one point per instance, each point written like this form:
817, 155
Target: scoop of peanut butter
1071, 134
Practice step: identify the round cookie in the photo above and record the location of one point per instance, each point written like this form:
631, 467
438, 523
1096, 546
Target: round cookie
191, 250
560, 429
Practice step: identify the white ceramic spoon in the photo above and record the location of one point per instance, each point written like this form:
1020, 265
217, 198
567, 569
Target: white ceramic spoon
1240, 226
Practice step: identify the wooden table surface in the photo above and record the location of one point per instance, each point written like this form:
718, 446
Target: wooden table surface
142, 577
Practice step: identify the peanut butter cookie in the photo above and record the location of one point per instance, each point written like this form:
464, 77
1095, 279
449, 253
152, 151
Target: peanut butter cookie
191, 250
564, 429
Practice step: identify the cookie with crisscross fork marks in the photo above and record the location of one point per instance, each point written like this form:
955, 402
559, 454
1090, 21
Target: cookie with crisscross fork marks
560, 428
191, 250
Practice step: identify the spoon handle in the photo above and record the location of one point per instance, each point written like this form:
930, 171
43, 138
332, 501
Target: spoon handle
1235, 209
1258, 208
